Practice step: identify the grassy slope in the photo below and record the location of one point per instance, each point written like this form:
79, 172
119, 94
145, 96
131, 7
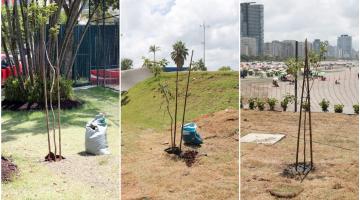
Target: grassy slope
24, 139
209, 92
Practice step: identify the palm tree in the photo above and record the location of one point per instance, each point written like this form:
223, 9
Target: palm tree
179, 56
153, 49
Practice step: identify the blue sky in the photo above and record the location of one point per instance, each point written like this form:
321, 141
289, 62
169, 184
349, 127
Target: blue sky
163, 22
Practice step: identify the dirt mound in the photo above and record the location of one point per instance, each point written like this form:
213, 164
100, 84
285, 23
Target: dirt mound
19, 106
223, 124
8, 169
286, 191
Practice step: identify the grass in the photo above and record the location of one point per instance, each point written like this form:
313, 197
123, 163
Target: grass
148, 172
209, 92
77, 177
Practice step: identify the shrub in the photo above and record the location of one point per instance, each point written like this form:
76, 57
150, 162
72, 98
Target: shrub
260, 103
324, 104
271, 102
338, 108
306, 106
12, 90
356, 108
287, 99
34, 93
251, 102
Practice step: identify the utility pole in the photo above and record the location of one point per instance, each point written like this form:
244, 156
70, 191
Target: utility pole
204, 26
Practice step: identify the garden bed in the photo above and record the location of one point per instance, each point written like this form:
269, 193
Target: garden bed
8, 169
26, 106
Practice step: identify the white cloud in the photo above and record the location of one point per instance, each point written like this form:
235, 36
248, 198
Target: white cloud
312, 19
163, 22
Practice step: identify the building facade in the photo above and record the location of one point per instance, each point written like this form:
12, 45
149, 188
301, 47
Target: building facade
344, 46
252, 24
248, 46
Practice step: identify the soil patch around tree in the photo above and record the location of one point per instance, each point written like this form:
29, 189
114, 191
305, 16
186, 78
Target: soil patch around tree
26, 106
8, 169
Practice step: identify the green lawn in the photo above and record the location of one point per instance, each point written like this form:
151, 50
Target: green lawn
209, 92
78, 177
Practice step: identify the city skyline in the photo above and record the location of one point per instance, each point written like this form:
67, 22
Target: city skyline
324, 20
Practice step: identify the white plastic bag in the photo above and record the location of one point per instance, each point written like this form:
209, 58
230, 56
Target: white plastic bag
95, 136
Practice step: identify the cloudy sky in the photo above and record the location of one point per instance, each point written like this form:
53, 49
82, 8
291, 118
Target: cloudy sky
323, 19
163, 22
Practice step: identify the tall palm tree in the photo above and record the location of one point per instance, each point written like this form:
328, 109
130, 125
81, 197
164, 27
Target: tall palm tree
179, 56
153, 49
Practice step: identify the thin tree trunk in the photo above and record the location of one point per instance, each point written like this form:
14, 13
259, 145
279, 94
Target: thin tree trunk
19, 37
176, 103
58, 94
11, 22
26, 31
186, 94
43, 70
52, 77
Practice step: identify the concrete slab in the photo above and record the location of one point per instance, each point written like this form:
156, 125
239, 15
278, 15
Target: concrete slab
261, 138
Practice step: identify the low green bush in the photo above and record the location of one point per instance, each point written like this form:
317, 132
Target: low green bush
34, 93
271, 102
338, 108
12, 90
306, 106
252, 102
287, 99
324, 104
260, 104
356, 108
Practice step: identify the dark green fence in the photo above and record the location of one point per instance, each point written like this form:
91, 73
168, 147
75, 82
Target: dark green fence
96, 51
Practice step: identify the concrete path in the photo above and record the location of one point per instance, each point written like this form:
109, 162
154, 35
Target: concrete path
133, 76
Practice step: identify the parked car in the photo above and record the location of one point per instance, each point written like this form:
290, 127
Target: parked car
7, 68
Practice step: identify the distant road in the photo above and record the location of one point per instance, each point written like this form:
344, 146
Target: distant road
132, 76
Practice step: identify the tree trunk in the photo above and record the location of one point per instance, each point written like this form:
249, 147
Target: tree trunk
176, 103
19, 37
43, 72
27, 39
69, 68
13, 47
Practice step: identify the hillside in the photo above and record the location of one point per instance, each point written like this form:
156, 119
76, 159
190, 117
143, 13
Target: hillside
208, 92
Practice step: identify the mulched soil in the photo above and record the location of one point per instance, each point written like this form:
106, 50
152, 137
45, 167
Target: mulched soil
189, 157
52, 158
25, 106
8, 169
297, 172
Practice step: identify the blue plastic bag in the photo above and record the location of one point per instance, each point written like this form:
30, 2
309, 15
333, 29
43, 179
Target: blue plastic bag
190, 135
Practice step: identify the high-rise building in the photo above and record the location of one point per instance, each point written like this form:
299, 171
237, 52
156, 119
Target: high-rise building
344, 46
276, 48
316, 45
288, 48
268, 50
248, 46
252, 24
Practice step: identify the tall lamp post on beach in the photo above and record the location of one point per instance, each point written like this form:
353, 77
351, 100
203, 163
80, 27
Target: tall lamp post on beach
204, 26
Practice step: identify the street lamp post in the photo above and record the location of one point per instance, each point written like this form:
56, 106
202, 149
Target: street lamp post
204, 26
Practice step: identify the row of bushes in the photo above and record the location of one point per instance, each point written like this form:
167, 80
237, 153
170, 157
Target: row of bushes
34, 93
260, 104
